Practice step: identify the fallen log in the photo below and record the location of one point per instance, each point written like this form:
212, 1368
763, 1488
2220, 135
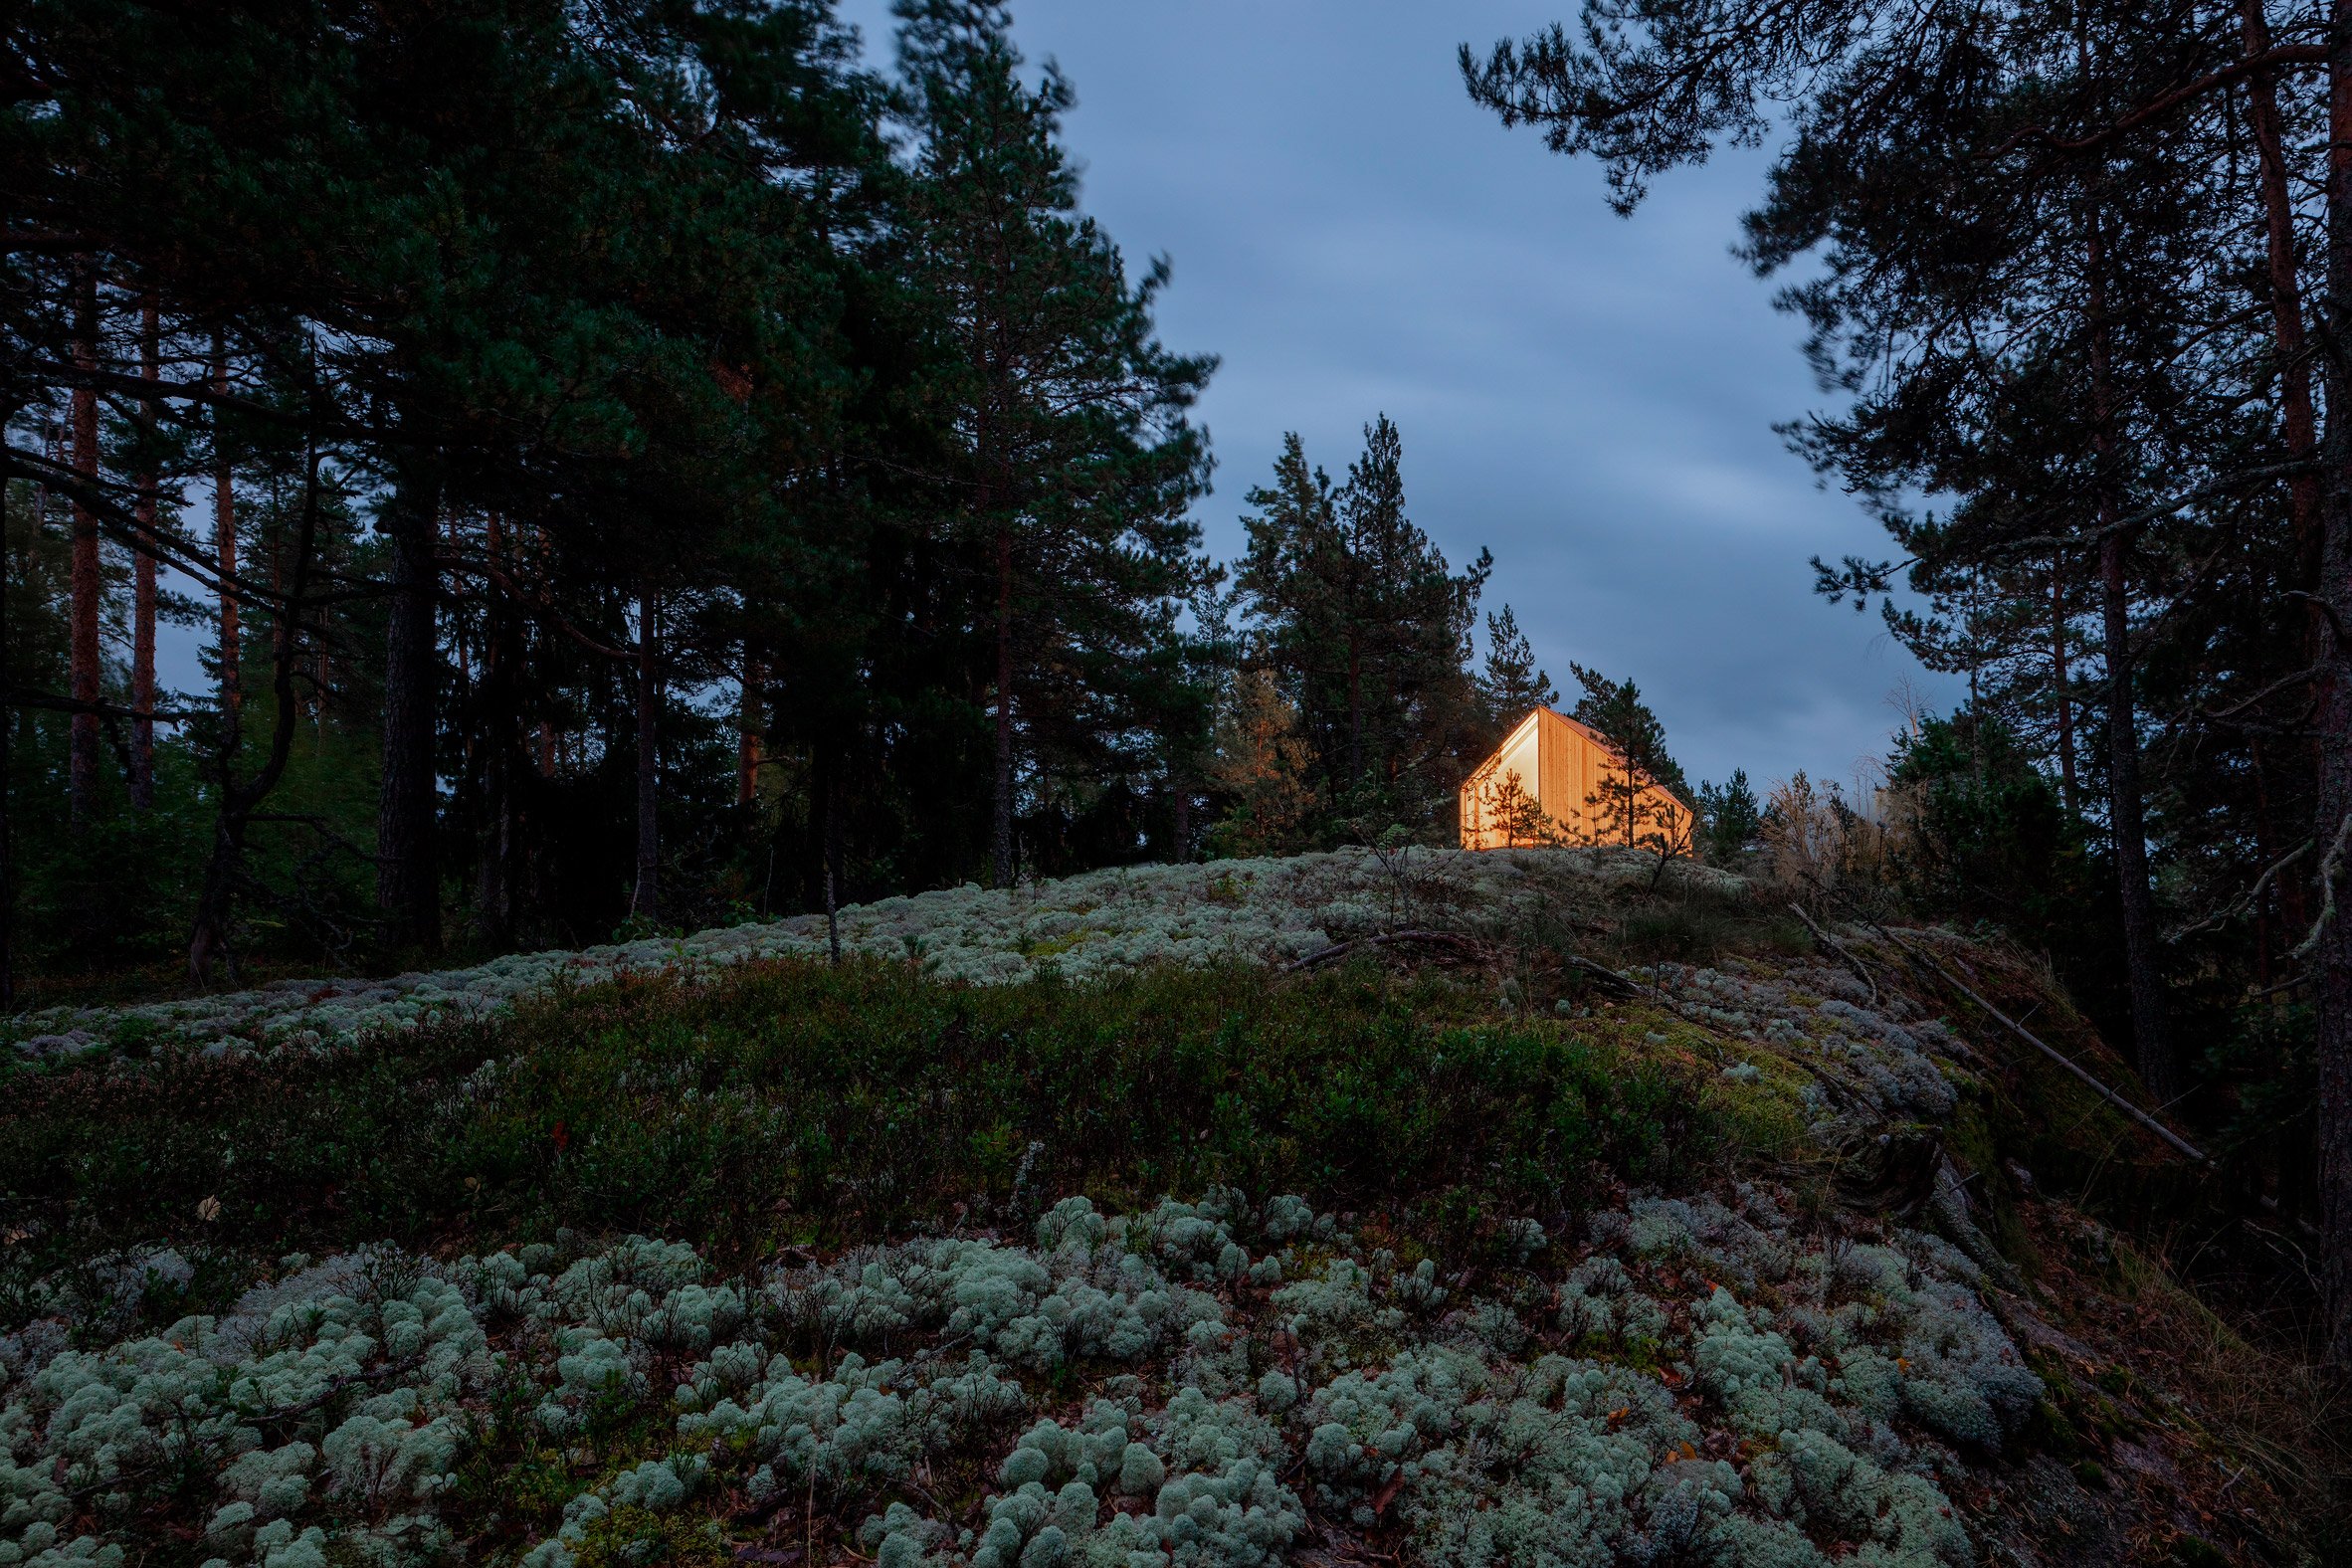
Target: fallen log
2029, 1038
1469, 946
1603, 978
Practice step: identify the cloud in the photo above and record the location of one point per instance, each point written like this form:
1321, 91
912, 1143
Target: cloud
1589, 397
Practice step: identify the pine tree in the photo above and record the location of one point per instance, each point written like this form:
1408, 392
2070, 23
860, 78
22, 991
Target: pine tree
1505, 805
1260, 769
1733, 819
143, 601
1369, 628
1072, 457
82, 767
1511, 685
1623, 809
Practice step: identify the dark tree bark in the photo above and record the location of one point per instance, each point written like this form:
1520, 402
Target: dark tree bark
408, 876
1355, 706
2127, 816
81, 768
828, 788
1000, 839
143, 585
493, 903
224, 541
2151, 1036
7, 744
209, 941
2061, 682
2297, 418
2266, 852
2333, 949
750, 725
646, 901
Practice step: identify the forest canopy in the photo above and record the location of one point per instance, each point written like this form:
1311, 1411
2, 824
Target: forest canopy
635, 466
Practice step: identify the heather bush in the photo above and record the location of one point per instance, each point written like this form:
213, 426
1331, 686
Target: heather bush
826, 1104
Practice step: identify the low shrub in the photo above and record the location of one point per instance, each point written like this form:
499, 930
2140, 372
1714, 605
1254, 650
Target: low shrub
793, 1102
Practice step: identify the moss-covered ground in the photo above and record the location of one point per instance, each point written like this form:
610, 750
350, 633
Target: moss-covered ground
1627, 1227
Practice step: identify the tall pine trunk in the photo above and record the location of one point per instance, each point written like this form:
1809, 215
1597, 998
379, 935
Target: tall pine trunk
2061, 682
827, 781
2333, 952
142, 581
408, 873
546, 753
493, 900
2151, 1035
493, 904
224, 543
7, 765
1000, 840
646, 901
749, 727
2299, 422
209, 941
82, 767
1355, 706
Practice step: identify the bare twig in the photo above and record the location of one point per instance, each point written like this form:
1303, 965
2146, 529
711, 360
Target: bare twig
2266, 692
1839, 948
2164, 509
66, 704
2329, 869
2245, 900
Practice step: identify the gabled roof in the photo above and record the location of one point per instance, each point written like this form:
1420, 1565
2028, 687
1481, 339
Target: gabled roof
1576, 725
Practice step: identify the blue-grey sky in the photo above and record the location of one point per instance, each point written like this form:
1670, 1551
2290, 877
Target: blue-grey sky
1589, 397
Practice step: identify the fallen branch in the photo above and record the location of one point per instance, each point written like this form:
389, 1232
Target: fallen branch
1469, 946
1839, 948
1605, 978
2060, 1058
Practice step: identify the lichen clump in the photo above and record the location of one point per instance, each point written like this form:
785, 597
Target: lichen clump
1195, 1384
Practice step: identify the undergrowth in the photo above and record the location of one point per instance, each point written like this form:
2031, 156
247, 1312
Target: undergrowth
790, 1103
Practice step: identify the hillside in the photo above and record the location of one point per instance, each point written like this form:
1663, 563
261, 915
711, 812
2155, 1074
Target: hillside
1526, 1208
1260, 910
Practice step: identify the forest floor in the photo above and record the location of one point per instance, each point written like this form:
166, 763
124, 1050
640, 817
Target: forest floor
1530, 1208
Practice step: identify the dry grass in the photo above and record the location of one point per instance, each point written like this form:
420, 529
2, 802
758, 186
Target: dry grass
2258, 1402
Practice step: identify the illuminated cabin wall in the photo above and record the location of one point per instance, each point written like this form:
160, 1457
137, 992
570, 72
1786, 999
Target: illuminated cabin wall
1564, 765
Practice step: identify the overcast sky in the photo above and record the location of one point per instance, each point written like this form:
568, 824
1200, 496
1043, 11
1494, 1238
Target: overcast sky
1588, 396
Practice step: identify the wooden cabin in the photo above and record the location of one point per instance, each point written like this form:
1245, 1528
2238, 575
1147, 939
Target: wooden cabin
1554, 780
